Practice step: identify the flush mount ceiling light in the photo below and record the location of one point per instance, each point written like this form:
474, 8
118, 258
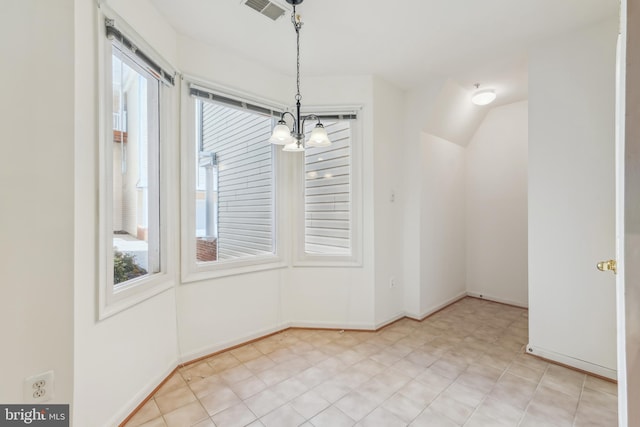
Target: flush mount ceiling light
293, 139
483, 96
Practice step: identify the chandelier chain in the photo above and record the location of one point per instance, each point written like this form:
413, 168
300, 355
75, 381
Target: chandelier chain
297, 24
298, 65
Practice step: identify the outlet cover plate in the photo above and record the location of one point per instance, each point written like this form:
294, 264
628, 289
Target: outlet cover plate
38, 388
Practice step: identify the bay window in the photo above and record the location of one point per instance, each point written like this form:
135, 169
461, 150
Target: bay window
134, 92
229, 186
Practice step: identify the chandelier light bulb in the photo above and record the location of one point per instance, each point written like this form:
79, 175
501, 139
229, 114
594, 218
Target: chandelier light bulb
281, 134
319, 137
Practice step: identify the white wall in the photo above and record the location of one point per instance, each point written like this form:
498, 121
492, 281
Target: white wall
117, 361
438, 115
419, 103
218, 66
217, 313
340, 297
496, 206
388, 165
454, 117
442, 223
455, 184
37, 214
571, 197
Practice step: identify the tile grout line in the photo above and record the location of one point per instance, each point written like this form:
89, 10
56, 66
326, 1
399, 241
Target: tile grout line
450, 339
524, 414
486, 395
575, 415
228, 385
453, 382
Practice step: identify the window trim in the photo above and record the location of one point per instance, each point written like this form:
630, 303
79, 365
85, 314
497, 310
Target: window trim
111, 300
193, 271
300, 257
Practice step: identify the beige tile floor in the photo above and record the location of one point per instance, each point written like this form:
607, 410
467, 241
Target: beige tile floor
463, 366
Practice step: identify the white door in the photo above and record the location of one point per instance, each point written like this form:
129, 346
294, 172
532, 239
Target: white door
628, 214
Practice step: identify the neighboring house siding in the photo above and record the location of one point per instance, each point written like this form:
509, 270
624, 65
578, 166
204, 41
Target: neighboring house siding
245, 179
328, 193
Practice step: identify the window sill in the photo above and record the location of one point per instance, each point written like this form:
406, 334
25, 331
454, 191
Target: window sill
123, 299
205, 271
328, 261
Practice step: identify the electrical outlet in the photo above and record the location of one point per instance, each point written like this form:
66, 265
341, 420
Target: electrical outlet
38, 388
392, 282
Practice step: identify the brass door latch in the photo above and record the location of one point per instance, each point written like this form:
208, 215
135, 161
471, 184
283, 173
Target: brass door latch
610, 265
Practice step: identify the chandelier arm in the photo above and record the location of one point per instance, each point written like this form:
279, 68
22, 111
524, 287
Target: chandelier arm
289, 113
309, 117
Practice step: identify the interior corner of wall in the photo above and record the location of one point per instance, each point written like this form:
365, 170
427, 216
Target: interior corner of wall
452, 116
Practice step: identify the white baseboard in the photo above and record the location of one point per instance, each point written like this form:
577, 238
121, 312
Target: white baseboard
430, 311
583, 365
222, 346
133, 403
390, 321
482, 295
332, 325
225, 345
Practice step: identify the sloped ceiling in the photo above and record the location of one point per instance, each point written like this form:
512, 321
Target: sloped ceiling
453, 117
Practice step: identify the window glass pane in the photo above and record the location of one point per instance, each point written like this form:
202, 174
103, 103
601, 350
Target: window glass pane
234, 183
135, 150
327, 197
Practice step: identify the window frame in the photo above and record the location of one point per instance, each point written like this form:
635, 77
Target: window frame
113, 299
300, 257
192, 270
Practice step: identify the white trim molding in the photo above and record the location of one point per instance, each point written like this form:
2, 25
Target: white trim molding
491, 298
354, 259
421, 316
191, 269
563, 359
190, 357
140, 396
112, 300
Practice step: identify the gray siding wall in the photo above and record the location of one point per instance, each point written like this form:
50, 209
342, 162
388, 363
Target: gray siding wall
328, 193
245, 179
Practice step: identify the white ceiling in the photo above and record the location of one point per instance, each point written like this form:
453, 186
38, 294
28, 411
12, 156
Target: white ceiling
403, 41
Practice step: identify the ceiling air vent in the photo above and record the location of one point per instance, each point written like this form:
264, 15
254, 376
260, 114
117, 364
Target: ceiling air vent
266, 7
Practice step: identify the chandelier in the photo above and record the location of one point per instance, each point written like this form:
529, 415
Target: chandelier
294, 139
